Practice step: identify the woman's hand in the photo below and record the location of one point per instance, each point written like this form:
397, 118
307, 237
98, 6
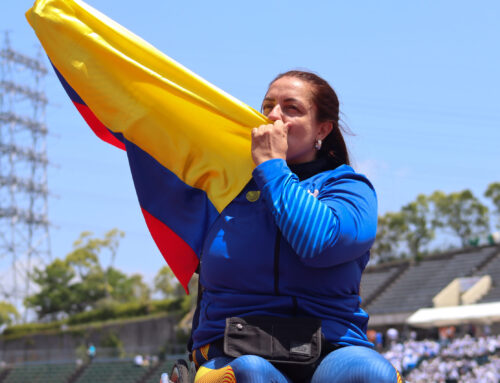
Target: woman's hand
269, 141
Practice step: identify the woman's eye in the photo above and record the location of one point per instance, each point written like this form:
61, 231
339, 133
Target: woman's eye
291, 108
266, 109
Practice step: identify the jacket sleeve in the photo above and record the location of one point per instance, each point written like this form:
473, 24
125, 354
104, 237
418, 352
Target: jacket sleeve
335, 226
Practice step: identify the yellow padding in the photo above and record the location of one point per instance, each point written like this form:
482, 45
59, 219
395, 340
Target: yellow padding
221, 375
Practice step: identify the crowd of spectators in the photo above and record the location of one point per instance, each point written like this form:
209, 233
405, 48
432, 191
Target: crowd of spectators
445, 370
467, 359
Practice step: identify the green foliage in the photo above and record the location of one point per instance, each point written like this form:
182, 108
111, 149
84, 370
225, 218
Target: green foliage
122, 288
417, 224
87, 250
175, 305
114, 311
111, 311
182, 336
81, 352
31, 328
80, 281
404, 233
391, 228
54, 296
127, 310
186, 303
193, 289
8, 313
113, 342
166, 283
169, 305
92, 284
462, 214
493, 193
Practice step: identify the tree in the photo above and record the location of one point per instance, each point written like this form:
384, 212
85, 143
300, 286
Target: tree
493, 193
88, 252
166, 283
419, 227
462, 214
80, 282
8, 313
54, 296
123, 288
391, 228
89, 285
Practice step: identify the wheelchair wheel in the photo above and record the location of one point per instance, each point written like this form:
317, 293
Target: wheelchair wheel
180, 372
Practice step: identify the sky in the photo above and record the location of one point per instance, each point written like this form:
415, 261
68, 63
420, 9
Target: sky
418, 82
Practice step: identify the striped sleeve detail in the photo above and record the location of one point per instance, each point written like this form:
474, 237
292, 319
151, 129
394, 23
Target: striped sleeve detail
325, 227
308, 224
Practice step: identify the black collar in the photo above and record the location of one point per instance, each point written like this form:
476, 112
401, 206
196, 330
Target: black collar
308, 169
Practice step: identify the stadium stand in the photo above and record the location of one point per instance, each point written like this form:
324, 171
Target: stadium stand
4, 372
155, 373
376, 280
40, 373
99, 371
465, 359
492, 269
415, 287
77, 372
104, 371
387, 290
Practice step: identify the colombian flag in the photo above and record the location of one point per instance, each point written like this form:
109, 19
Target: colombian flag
187, 142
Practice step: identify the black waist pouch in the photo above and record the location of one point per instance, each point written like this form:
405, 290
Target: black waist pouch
293, 345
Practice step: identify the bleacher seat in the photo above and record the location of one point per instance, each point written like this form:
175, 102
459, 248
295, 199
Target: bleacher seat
41, 373
416, 287
164, 366
493, 270
112, 371
374, 279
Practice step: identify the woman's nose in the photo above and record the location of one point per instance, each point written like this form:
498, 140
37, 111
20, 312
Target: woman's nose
275, 113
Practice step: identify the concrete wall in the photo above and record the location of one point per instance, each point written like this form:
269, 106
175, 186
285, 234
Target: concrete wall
146, 336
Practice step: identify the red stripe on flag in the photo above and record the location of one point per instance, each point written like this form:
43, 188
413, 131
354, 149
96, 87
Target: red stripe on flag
98, 127
179, 255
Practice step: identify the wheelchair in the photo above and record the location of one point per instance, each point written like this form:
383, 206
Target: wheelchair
182, 372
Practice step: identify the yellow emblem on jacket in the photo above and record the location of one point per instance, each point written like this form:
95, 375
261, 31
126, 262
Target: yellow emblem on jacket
253, 195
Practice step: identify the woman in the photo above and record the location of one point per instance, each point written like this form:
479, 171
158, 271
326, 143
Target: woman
293, 244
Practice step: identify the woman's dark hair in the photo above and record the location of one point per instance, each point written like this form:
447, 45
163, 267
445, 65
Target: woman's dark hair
327, 108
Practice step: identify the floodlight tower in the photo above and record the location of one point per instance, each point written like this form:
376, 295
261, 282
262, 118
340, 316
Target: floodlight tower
24, 224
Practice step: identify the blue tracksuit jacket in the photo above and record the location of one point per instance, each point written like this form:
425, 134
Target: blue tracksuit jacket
286, 247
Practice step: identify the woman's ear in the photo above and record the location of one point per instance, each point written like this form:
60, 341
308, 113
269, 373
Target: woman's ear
324, 129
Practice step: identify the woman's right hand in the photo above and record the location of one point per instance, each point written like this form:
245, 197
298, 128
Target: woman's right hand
269, 141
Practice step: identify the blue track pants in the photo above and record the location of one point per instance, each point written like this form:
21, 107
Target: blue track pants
351, 364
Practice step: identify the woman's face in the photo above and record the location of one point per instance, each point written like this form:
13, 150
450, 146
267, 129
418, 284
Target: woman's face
290, 99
